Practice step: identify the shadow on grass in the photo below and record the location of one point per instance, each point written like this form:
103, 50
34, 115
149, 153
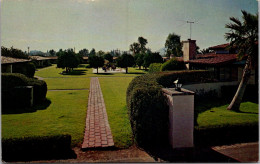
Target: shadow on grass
103, 73
138, 73
17, 110
76, 72
196, 154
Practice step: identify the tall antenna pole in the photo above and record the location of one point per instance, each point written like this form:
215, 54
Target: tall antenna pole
190, 27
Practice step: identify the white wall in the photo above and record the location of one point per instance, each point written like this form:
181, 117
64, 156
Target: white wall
209, 86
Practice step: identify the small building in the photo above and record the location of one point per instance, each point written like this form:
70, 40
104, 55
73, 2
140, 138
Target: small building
9, 64
40, 61
224, 63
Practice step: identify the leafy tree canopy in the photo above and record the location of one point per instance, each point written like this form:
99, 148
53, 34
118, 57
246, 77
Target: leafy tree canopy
152, 58
125, 61
13, 52
67, 59
173, 45
108, 57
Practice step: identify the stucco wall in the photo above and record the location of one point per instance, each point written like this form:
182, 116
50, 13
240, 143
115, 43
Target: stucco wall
181, 120
209, 86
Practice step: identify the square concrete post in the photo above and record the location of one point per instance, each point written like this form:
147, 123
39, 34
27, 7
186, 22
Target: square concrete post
181, 117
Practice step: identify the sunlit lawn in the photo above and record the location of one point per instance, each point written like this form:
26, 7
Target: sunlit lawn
65, 115
68, 83
114, 92
218, 116
84, 72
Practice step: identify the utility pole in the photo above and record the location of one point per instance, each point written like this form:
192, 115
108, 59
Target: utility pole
28, 50
190, 27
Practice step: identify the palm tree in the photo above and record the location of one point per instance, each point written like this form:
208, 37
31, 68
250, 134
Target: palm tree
142, 41
244, 37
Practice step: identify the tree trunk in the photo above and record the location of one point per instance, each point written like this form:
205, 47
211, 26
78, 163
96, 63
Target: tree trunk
97, 70
139, 67
237, 99
126, 70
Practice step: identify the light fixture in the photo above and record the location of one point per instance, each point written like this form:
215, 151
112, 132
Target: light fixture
178, 85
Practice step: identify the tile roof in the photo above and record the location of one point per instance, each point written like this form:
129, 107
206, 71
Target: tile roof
39, 58
214, 59
221, 46
9, 60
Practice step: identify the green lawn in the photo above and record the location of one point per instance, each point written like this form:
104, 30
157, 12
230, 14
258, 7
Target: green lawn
218, 115
114, 92
68, 83
83, 72
65, 115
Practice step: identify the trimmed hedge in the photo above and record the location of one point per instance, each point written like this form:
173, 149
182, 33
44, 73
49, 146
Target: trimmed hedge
148, 111
37, 148
172, 65
155, 67
10, 94
188, 76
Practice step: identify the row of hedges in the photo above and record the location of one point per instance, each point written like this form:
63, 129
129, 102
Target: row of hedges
155, 67
37, 148
10, 94
173, 64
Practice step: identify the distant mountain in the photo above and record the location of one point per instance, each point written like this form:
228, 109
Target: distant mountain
36, 52
162, 51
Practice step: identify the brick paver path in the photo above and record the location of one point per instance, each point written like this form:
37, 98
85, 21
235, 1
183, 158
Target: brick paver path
97, 131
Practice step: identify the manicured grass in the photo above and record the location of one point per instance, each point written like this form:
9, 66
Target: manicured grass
114, 92
219, 116
65, 115
84, 72
68, 83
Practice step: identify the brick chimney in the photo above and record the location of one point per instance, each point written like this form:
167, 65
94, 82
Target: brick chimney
189, 50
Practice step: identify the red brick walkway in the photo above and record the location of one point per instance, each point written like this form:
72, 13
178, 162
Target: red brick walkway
97, 131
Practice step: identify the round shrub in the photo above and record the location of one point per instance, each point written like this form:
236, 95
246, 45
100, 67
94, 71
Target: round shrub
30, 70
155, 67
11, 80
39, 90
173, 64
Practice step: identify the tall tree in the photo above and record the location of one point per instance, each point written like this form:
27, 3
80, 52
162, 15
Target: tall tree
125, 61
84, 52
244, 36
52, 52
173, 45
142, 41
135, 48
92, 52
13, 52
150, 58
108, 57
67, 59
139, 60
96, 61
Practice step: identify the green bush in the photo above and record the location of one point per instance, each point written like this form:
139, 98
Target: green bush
36, 148
11, 94
30, 70
166, 79
148, 111
173, 64
155, 67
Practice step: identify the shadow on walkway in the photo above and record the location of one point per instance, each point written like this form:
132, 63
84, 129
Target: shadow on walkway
196, 154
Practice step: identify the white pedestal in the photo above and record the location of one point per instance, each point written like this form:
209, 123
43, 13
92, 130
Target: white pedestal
181, 117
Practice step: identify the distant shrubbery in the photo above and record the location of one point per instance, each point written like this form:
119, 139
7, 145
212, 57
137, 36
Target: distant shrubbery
10, 95
155, 67
172, 65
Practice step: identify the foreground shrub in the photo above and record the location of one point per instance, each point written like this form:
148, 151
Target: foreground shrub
37, 148
148, 111
155, 67
173, 64
11, 96
30, 70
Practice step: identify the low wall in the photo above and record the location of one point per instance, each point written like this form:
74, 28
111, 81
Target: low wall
206, 87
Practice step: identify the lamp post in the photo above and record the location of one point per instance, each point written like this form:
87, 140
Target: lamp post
178, 85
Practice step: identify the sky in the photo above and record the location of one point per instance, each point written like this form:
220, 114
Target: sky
115, 24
